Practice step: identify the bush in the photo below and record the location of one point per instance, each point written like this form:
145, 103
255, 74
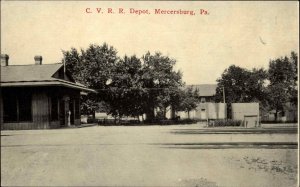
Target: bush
186, 121
90, 120
160, 116
111, 122
225, 123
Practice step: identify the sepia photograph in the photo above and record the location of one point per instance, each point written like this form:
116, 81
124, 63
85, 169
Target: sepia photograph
149, 93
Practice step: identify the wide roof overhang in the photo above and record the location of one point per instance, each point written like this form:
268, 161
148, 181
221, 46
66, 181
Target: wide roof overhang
42, 83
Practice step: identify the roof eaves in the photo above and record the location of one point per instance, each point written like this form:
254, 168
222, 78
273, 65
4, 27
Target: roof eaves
53, 82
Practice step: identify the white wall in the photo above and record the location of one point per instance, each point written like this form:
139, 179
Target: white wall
211, 111
239, 110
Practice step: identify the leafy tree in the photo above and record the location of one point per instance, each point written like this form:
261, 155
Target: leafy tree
161, 81
176, 98
74, 65
127, 93
283, 82
241, 85
129, 86
189, 100
294, 89
91, 67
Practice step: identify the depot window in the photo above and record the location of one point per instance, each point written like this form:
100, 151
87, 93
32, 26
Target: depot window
17, 108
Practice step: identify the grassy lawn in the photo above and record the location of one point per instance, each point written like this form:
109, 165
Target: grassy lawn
147, 156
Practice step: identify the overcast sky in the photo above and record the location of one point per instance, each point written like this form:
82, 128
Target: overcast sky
246, 34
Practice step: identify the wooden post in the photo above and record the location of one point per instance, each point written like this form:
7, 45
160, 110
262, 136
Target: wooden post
224, 95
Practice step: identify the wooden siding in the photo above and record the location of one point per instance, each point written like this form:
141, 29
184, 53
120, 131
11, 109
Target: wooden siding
54, 125
18, 126
40, 115
40, 110
1, 109
77, 122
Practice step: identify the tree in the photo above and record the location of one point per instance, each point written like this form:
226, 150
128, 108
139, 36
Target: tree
127, 93
129, 86
91, 67
283, 82
176, 98
189, 100
161, 81
294, 88
241, 85
74, 65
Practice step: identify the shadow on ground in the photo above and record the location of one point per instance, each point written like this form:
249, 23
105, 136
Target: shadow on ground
232, 145
290, 130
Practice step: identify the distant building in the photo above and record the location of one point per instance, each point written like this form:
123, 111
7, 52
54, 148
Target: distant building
207, 108
207, 92
288, 114
38, 96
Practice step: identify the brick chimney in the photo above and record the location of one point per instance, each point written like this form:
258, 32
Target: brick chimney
38, 60
4, 59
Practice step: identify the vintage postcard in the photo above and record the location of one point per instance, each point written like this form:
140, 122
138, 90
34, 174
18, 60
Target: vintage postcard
149, 93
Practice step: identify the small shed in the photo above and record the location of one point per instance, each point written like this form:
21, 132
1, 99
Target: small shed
247, 112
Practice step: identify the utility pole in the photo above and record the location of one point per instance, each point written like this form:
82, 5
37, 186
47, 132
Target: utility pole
223, 94
224, 101
64, 65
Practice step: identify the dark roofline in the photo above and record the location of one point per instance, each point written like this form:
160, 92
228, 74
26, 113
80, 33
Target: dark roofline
30, 65
54, 82
46, 82
205, 90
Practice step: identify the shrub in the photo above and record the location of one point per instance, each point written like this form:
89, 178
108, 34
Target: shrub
225, 123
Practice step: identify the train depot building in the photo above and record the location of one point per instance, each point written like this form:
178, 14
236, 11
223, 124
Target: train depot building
38, 96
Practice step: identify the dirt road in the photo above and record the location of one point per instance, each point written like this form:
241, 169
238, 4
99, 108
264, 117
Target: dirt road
147, 156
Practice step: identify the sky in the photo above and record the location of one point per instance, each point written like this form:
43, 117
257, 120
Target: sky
246, 34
